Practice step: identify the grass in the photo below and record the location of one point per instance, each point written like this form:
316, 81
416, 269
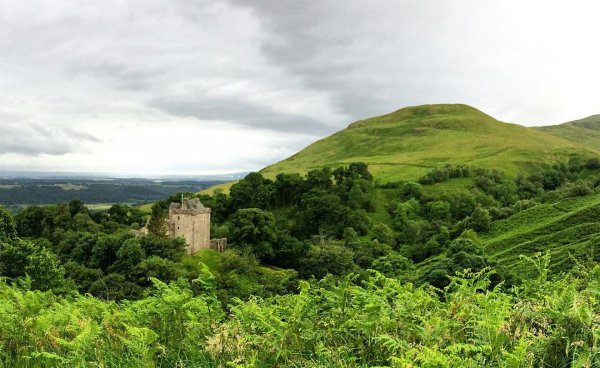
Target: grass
69, 186
585, 131
209, 257
99, 206
407, 143
146, 208
568, 229
225, 187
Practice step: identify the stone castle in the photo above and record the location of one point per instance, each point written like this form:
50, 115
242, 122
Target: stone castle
191, 220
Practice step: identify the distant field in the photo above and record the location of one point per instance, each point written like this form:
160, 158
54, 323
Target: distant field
97, 194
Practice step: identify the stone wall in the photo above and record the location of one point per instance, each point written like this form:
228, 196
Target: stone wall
220, 245
193, 226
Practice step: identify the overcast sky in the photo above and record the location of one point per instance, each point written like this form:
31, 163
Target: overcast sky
190, 87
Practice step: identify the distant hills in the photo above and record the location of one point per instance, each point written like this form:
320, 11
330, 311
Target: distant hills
407, 143
55, 175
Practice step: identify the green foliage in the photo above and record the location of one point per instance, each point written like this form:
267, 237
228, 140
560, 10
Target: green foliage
445, 173
23, 260
383, 234
252, 192
410, 190
239, 275
393, 265
157, 225
376, 322
44, 270
480, 220
254, 229
327, 258
8, 227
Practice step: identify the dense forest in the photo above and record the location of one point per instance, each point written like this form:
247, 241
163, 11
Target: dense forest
330, 268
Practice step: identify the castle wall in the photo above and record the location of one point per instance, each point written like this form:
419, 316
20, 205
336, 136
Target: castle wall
193, 226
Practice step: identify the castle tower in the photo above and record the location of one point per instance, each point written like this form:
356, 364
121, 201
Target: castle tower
191, 220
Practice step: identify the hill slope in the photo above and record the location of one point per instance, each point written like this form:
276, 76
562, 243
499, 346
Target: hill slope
409, 142
567, 229
585, 131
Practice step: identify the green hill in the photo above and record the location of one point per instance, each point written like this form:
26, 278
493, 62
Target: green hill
585, 131
568, 229
409, 142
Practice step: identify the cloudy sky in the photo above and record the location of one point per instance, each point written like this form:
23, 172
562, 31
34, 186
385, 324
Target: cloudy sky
193, 87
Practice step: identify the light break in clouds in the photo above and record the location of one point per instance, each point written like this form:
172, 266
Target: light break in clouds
189, 87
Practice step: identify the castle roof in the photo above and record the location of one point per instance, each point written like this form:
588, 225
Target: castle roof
188, 204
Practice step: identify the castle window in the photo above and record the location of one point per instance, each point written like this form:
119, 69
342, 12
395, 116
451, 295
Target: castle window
177, 217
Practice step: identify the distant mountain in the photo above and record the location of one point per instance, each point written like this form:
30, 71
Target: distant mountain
407, 143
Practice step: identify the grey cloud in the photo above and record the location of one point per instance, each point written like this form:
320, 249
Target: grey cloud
83, 136
376, 56
317, 41
122, 75
30, 140
33, 139
240, 112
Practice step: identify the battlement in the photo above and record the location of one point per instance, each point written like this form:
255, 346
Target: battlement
189, 212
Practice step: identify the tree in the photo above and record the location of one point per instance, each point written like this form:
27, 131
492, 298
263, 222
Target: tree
119, 213
219, 205
288, 250
159, 268
128, 256
8, 227
327, 258
411, 190
157, 224
288, 189
480, 220
322, 213
45, 271
29, 221
254, 228
254, 191
383, 234
83, 276
13, 257
104, 252
57, 222
438, 211
83, 222
77, 206
462, 204
367, 251
115, 287
319, 179
160, 246
393, 265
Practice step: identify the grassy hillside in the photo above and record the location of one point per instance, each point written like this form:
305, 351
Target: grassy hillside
409, 142
585, 131
567, 229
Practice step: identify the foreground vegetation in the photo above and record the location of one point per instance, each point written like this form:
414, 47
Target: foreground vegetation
379, 321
